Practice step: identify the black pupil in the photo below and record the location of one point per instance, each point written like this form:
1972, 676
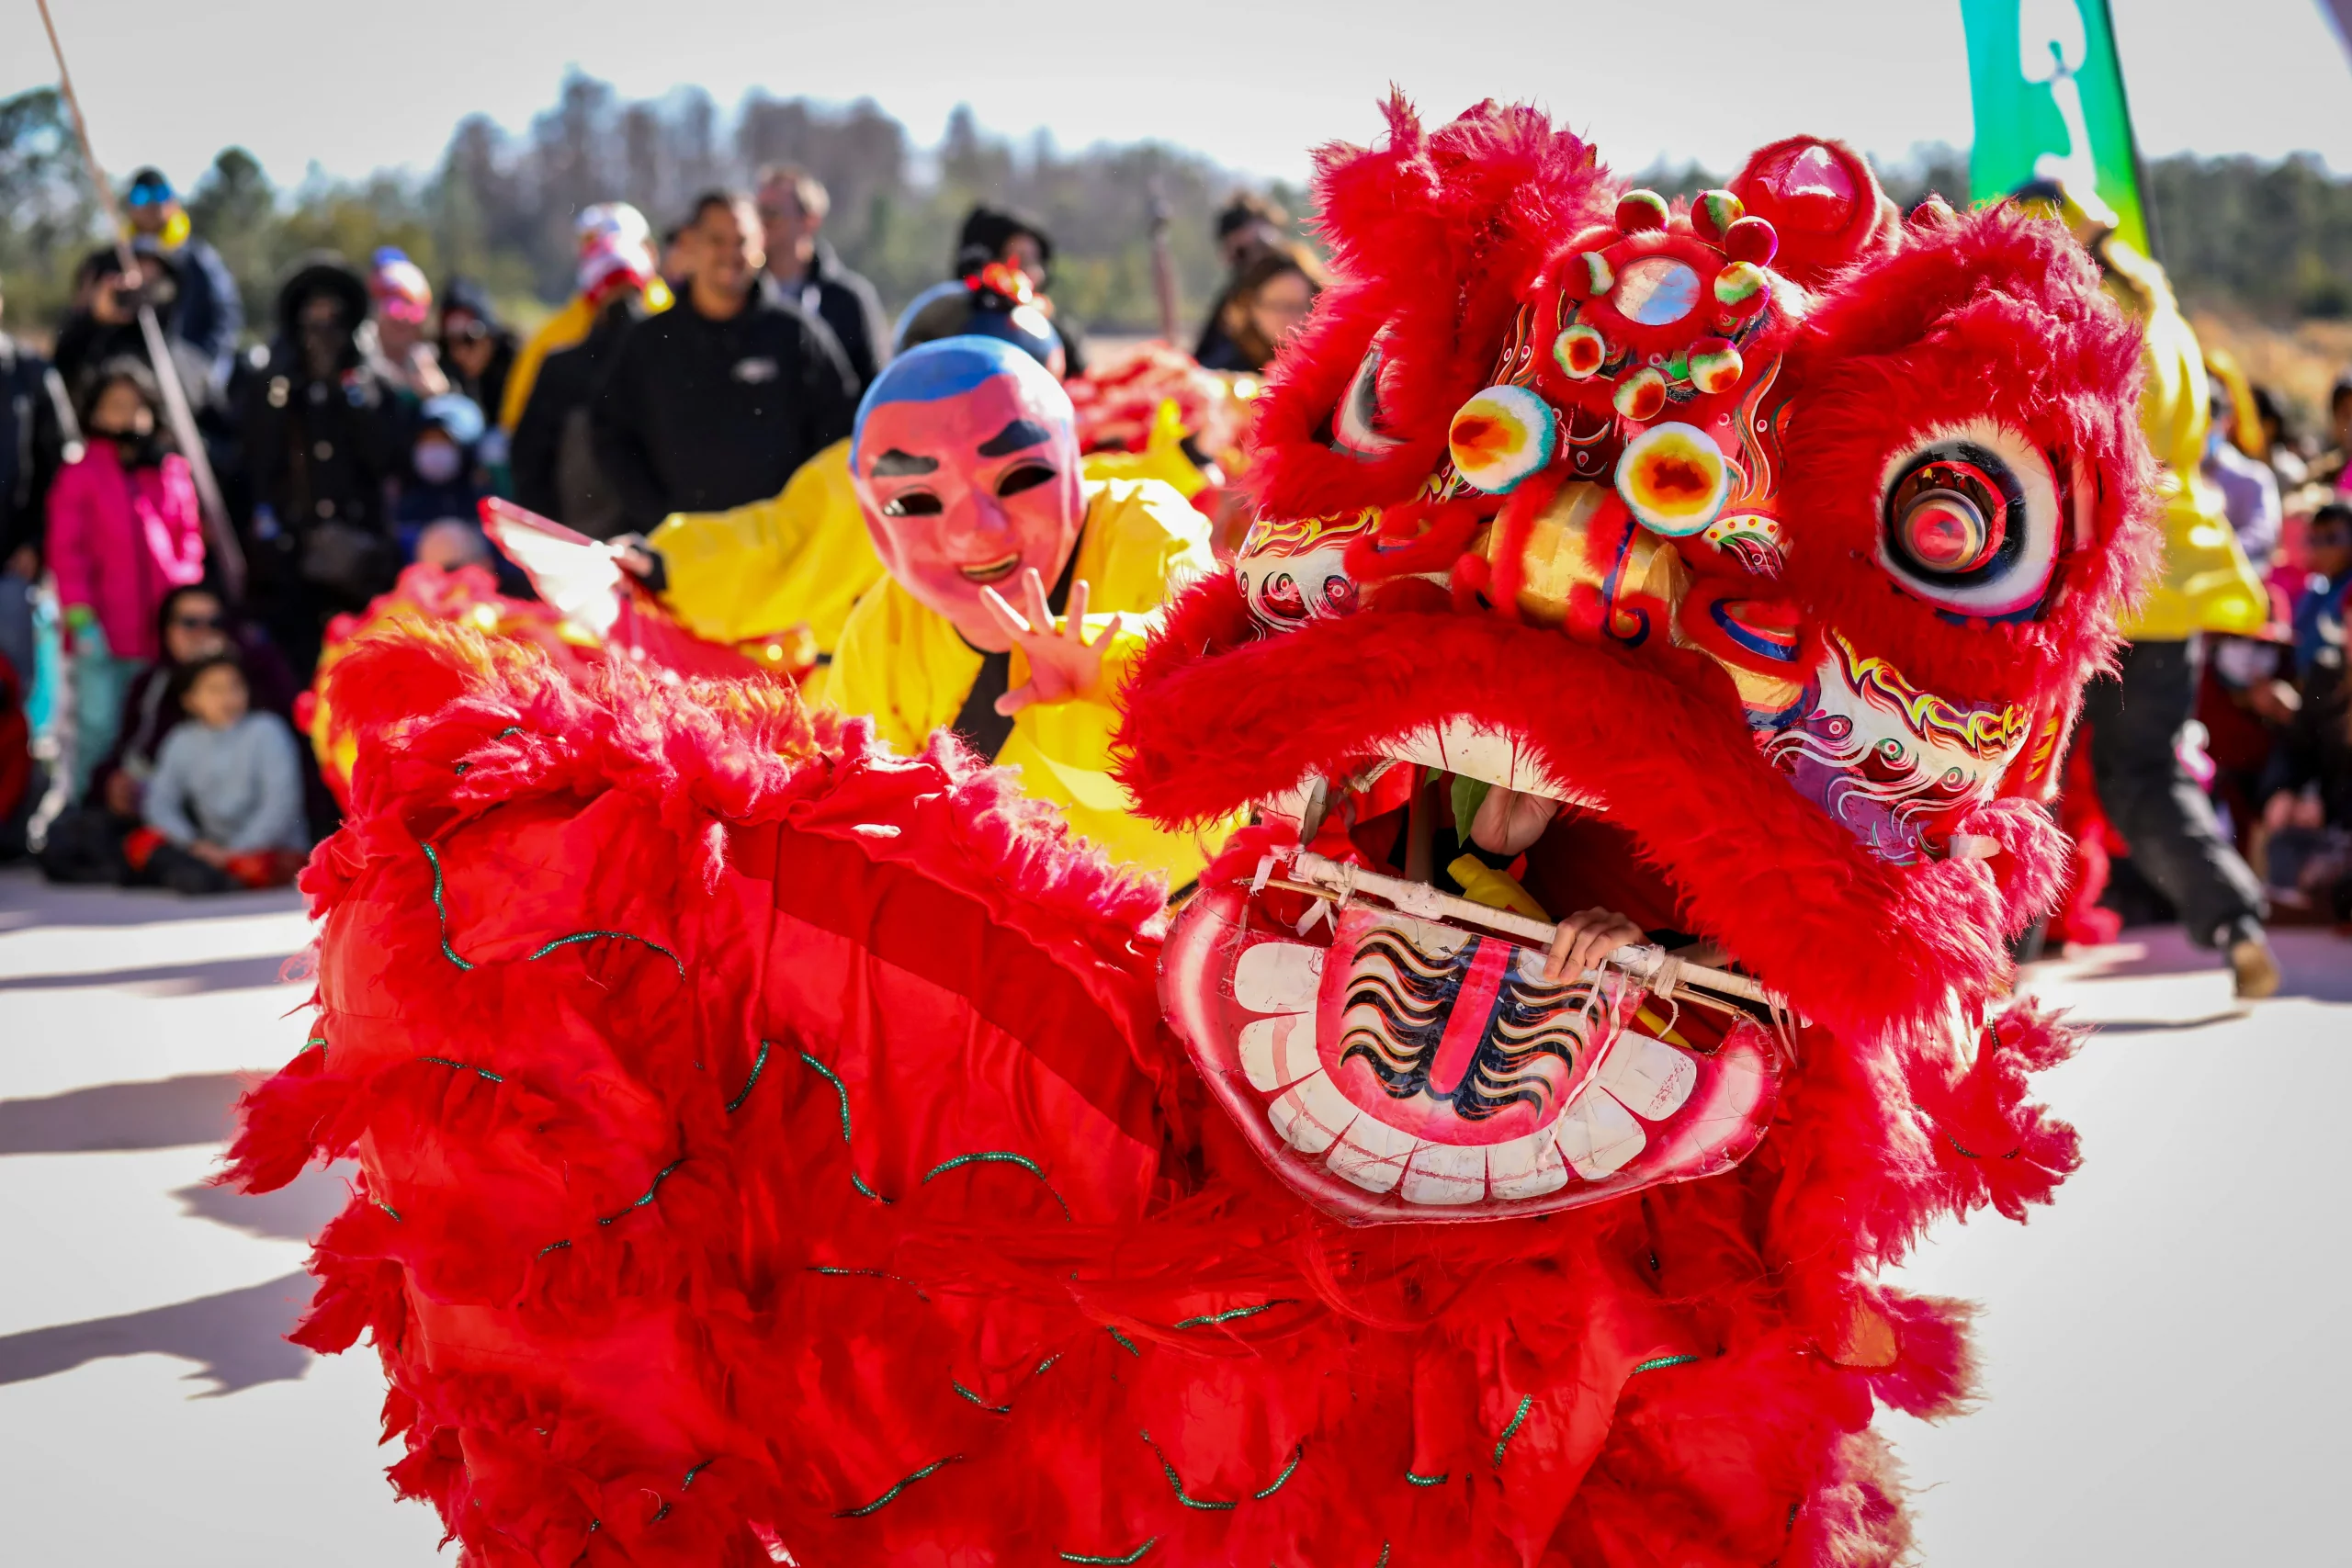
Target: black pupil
915, 503
1029, 476
1956, 475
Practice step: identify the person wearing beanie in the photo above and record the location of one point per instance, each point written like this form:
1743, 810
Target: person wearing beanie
606, 231
552, 449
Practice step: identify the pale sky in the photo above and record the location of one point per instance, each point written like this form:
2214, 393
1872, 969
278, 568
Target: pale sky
1251, 82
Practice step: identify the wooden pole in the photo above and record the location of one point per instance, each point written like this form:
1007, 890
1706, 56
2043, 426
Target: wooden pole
221, 539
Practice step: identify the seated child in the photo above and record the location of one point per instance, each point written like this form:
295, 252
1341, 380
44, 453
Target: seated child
225, 808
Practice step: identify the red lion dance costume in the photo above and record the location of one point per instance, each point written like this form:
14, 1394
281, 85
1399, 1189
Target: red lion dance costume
777, 1149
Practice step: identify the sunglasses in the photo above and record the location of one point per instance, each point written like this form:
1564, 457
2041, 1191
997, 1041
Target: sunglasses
147, 195
196, 623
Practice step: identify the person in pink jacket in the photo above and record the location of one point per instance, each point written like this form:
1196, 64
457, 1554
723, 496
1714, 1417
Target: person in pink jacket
124, 530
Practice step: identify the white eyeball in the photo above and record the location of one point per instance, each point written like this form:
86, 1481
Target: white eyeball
1969, 522
1355, 424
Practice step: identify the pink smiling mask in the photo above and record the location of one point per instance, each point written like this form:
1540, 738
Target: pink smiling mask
965, 464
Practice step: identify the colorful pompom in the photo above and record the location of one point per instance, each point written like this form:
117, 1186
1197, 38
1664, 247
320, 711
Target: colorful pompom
1641, 395
1588, 277
1751, 239
1580, 350
1715, 364
1740, 288
1640, 209
1674, 478
1713, 214
1501, 436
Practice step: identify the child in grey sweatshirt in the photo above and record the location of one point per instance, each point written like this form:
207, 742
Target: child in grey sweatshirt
226, 797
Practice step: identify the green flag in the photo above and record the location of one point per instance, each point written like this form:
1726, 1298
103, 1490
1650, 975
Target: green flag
2048, 97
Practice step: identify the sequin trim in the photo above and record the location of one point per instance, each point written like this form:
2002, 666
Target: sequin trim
1132, 1557
1656, 1362
1000, 1157
1519, 1419
441, 907
891, 1496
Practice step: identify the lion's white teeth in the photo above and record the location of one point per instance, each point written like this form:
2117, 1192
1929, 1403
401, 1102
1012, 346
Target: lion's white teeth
1372, 1153
1446, 1173
1651, 1076
1311, 1114
1526, 1168
1477, 752
1279, 1051
1278, 976
1598, 1135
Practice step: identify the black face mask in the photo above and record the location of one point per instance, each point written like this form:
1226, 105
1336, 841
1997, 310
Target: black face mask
135, 449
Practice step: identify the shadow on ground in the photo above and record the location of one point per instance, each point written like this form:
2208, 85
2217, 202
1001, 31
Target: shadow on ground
237, 1339
27, 900
296, 1212
166, 1113
163, 979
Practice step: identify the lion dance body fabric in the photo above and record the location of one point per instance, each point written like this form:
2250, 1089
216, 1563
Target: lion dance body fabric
777, 1149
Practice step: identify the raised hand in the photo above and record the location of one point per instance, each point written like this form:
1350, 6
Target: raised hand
1062, 663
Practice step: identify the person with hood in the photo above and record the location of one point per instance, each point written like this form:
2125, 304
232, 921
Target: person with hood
124, 530
607, 225
553, 447
322, 438
477, 350
400, 301
443, 479
719, 401
792, 203
992, 235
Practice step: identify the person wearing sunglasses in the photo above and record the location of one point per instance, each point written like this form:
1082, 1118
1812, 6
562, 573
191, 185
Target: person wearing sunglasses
207, 315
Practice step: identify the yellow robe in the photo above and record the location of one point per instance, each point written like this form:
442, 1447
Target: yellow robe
757, 570
905, 667
2207, 584
565, 329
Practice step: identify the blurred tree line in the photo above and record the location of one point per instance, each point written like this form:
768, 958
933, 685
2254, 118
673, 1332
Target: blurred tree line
2271, 240
498, 207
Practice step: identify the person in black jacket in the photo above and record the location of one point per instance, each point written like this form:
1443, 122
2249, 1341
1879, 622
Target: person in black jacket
719, 400
553, 452
793, 204
323, 438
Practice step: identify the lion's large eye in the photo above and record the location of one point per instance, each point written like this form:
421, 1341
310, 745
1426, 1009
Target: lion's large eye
1355, 424
1970, 522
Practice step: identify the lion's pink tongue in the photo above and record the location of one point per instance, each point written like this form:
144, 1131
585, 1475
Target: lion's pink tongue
1466, 1026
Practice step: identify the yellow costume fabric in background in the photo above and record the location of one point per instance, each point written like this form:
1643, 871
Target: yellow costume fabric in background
2207, 584
905, 667
565, 329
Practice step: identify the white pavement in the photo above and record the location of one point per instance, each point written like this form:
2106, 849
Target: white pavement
2167, 1351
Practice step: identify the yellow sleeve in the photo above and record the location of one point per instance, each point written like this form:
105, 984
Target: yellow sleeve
802, 558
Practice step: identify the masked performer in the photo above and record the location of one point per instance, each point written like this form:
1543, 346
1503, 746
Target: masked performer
1018, 591
802, 557
776, 1145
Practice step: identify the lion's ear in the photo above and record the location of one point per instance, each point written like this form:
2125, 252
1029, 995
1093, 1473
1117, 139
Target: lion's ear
1823, 200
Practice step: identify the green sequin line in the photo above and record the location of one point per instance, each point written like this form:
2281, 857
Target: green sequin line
1207, 1318
1525, 1404
1655, 1362
650, 1192
891, 1496
1123, 1342
992, 1409
608, 936
1048, 1362
1001, 1156
697, 1470
1177, 1482
1289, 1470
749, 1084
1383, 1562
553, 1246
868, 1274
315, 1043
1412, 1479
510, 730
857, 1181
442, 908
1132, 1557
463, 1067
390, 1210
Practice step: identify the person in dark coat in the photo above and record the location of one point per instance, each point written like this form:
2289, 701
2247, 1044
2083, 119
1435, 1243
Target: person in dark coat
323, 435
553, 452
998, 235
719, 400
793, 204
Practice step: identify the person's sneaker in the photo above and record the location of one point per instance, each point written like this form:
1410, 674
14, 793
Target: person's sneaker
2256, 966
